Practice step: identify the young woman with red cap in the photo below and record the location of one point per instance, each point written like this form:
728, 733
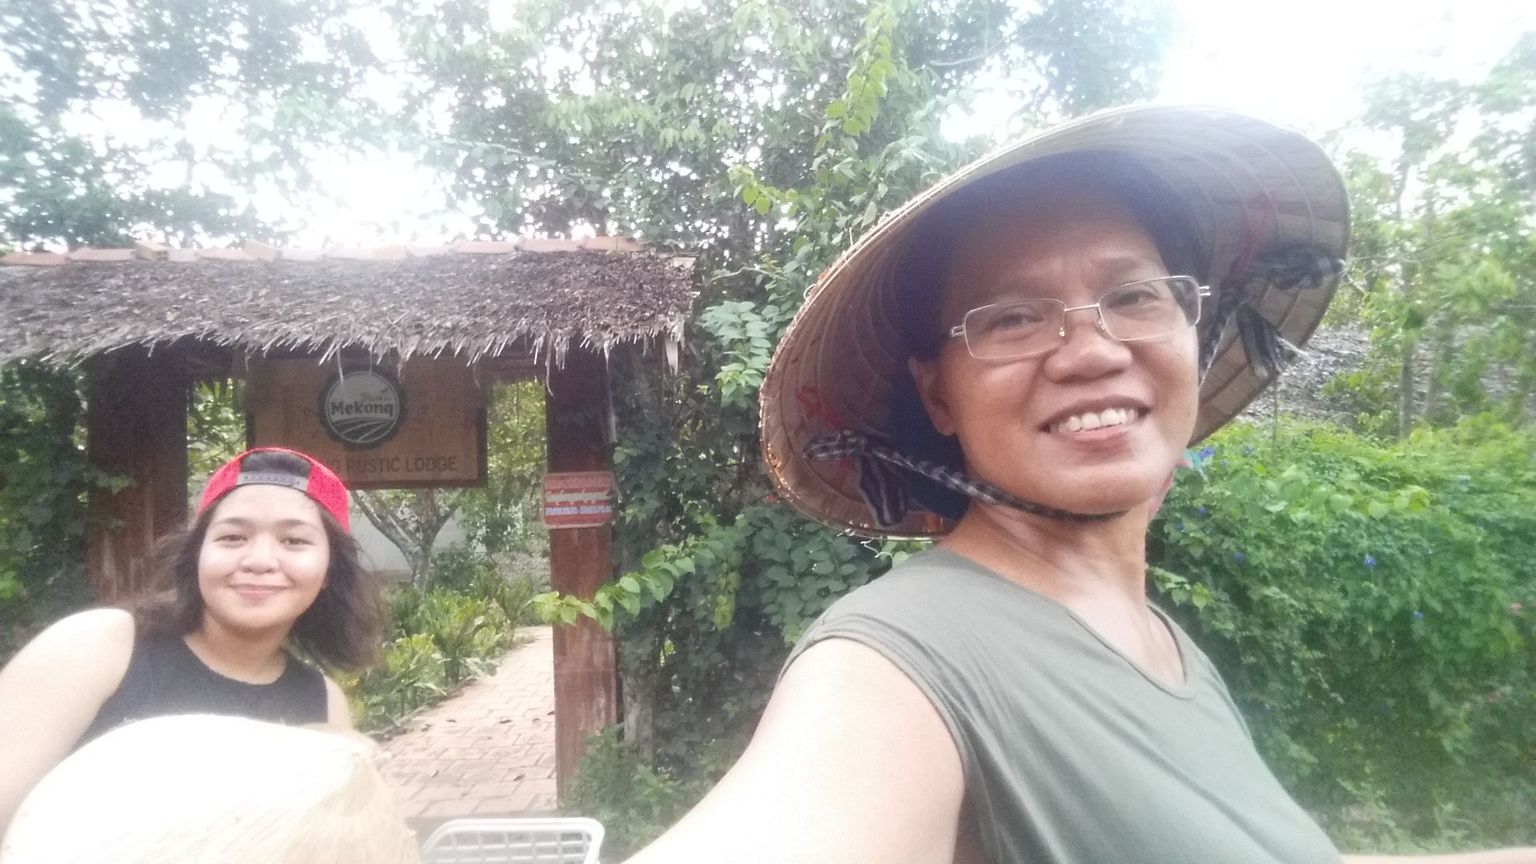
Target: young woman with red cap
267, 564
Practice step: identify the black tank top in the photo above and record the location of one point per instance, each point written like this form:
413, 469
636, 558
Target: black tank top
165, 677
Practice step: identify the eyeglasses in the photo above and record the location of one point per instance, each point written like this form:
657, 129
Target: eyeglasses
1133, 312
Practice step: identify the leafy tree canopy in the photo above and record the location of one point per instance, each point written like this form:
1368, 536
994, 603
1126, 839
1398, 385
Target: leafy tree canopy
147, 120
1445, 247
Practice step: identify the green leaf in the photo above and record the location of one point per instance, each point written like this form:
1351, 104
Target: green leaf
630, 602
660, 587
1199, 596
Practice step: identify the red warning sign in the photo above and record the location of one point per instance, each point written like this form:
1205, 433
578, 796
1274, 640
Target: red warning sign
579, 499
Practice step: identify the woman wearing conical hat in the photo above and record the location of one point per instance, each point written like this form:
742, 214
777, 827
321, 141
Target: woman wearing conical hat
1014, 363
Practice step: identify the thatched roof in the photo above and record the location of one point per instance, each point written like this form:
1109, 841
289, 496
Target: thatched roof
471, 300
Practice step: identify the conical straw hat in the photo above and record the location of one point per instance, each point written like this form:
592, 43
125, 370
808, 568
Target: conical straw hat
1248, 186
203, 788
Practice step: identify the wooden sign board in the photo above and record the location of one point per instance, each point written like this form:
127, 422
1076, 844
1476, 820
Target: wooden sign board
375, 426
578, 499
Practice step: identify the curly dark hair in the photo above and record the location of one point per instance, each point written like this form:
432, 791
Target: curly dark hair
342, 629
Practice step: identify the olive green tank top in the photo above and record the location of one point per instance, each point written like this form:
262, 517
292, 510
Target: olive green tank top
1072, 754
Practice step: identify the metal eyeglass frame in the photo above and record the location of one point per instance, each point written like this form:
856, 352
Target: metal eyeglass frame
1201, 292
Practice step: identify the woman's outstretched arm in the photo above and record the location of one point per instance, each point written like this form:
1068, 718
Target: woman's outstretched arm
851, 763
50, 692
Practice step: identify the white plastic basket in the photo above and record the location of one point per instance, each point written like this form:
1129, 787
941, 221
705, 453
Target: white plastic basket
563, 840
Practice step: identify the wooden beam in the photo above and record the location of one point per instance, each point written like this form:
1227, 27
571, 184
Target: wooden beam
136, 429
578, 414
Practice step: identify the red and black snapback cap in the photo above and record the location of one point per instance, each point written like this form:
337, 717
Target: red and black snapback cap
301, 472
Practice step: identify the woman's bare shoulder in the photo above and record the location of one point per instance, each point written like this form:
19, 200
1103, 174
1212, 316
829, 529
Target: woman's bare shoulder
109, 623
95, 642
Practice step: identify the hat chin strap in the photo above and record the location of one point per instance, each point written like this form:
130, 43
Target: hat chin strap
885, 491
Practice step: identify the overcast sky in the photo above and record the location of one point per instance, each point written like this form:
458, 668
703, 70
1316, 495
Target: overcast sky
1300, 62
1297, 62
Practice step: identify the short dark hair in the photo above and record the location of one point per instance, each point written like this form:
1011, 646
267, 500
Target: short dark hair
342, 629
1151, 202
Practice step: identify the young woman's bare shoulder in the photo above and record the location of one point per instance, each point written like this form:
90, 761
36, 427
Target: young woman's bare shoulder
337, 713
90, 646
50, 692
107, 622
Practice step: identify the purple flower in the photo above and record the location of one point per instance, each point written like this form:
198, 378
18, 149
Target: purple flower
1417, 614
1204, 510
1370, 560
1238, 557
1207, 452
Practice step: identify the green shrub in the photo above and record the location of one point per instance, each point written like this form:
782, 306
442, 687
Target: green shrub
404, 611
44, 480
513, 594
459, 567
635, 801
469, 632
440, 638
1367, 606
523, 565
409, 677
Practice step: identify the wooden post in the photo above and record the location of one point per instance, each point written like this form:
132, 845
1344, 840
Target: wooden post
135, 428
577, 417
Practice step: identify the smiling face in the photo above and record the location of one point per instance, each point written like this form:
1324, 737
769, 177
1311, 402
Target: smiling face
1093, 426
263, 560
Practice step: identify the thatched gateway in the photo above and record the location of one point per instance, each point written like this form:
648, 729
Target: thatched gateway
147, 323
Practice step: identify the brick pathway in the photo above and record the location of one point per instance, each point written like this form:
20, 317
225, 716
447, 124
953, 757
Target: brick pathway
489, 751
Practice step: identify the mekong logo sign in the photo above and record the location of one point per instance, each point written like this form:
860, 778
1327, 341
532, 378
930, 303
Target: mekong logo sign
362, 408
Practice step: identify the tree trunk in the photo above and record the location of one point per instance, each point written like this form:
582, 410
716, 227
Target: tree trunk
1408, 353
640, 674
1405, 386
411, 522
1522, 402
430, 520
1442, 342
